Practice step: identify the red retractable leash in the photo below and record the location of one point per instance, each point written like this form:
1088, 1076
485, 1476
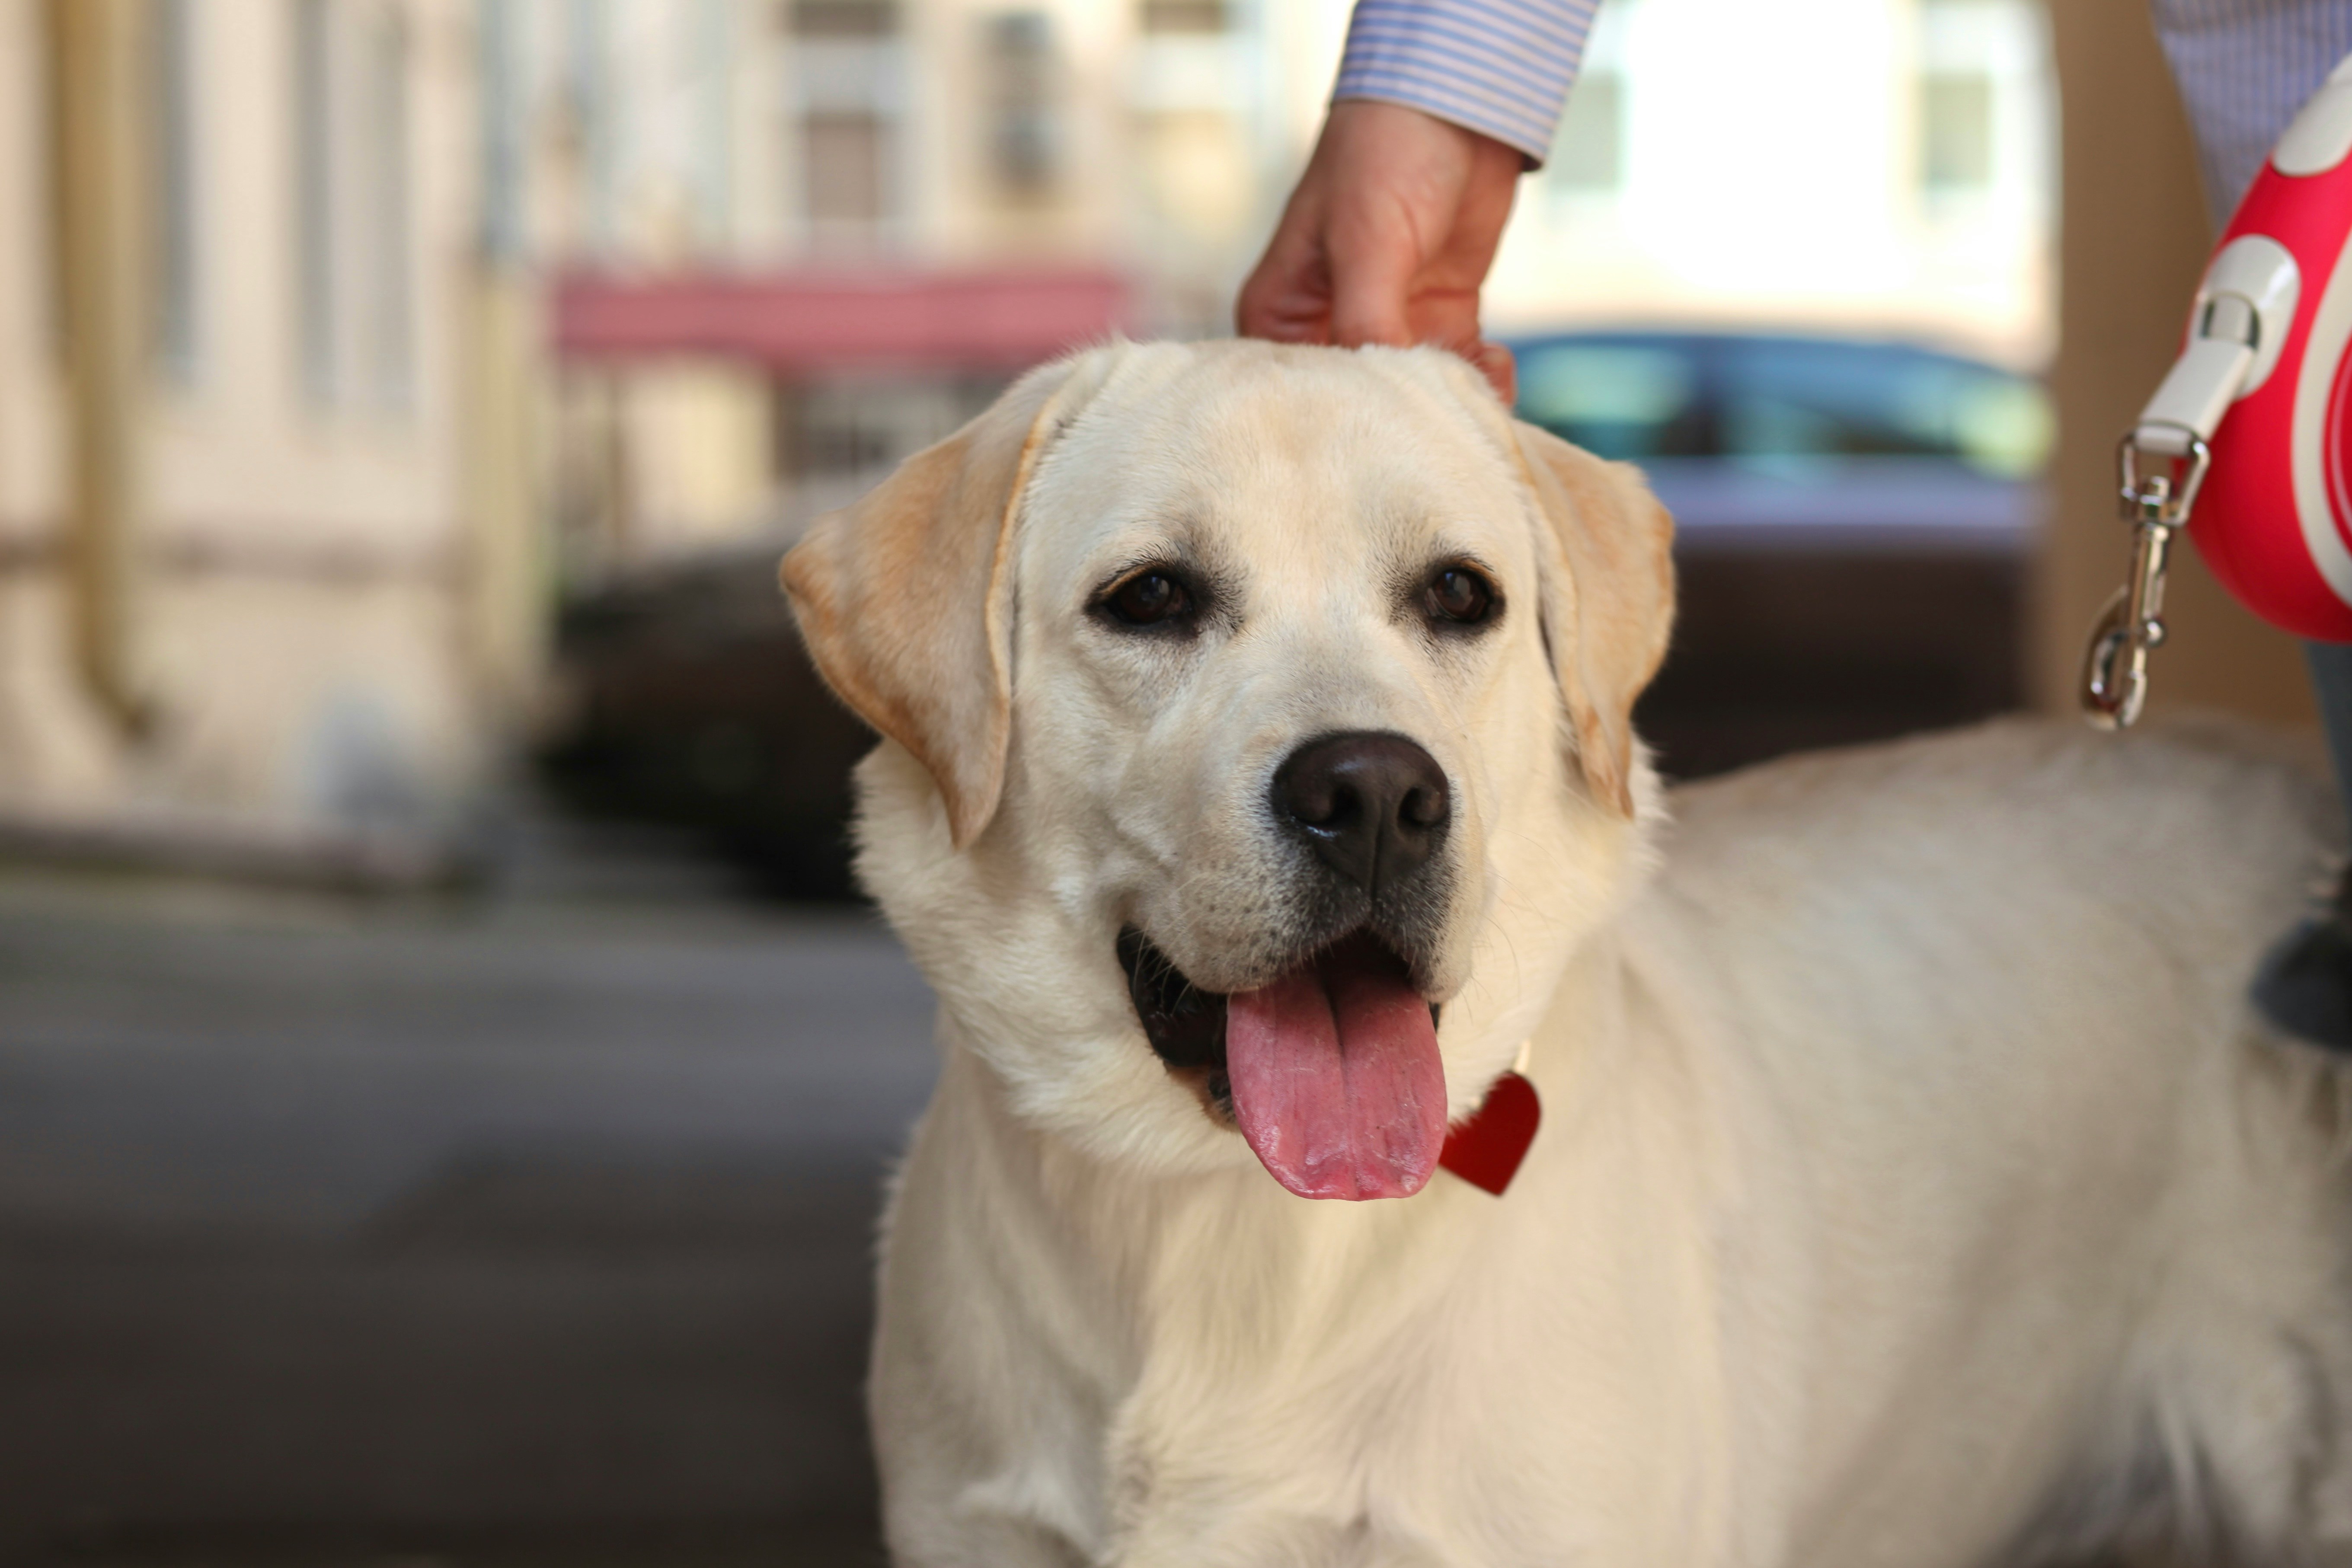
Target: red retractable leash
2253, 426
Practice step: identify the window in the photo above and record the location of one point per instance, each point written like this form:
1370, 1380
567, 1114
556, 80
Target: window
1796, 407
386, 291
844, 18
834, 440
847, 104
1787, 407
1624, 399
354, 281
498, 203
1588, 153
171, 189
1982, 73
1956, 131
1023, 135
314, 202
844, 152
1588, 150
1185, 16
590, 126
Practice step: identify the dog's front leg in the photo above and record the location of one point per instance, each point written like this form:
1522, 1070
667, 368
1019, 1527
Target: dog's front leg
971, 1533
991, 1371
947, 1504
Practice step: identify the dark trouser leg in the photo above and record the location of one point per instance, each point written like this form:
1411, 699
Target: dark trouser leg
2331, 683
2306, 983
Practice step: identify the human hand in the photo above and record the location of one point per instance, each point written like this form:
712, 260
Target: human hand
1388, 238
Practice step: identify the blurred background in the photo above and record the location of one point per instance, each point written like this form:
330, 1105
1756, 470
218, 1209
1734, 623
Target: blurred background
446, 1077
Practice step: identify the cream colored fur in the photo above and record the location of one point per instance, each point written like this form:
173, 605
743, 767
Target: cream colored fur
1915, 1187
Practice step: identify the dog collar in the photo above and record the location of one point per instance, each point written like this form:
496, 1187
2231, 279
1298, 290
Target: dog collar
1487, 1150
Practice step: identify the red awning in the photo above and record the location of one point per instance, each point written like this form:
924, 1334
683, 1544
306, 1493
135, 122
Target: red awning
803, 322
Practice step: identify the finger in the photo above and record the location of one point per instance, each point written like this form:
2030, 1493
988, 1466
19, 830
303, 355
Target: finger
1370, 280
1286, 302
1448, 318
1445, 316
1374, 241
1287, 295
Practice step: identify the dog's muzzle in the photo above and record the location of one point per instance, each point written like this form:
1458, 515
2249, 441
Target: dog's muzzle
1327, 1061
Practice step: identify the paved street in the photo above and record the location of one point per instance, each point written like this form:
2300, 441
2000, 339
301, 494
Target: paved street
521, 1232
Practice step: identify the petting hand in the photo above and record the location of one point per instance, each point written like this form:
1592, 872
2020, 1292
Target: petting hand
1387, 238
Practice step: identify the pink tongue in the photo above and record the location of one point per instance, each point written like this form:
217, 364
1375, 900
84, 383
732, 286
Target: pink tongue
1337, 1082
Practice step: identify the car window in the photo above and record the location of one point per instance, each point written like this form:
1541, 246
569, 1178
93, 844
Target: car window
1619, 399
1795, 406
2003, 425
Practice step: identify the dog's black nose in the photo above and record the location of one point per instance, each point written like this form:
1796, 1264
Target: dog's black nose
1374, 807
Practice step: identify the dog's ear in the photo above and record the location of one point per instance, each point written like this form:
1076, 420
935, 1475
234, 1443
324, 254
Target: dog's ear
1608, 600
905, 598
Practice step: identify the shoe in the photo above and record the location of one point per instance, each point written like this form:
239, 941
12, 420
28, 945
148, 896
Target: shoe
2304, 986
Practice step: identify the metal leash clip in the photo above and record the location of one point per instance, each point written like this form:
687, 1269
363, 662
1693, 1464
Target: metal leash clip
2160, 465
2156, 497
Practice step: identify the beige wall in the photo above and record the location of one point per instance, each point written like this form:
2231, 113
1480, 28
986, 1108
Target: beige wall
313, 618
245, 459
2135, 235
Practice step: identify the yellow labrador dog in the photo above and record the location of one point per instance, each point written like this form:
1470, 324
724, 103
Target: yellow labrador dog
1914, 1186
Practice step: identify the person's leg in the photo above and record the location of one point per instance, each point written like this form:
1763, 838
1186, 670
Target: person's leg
2306, 983
2331, 684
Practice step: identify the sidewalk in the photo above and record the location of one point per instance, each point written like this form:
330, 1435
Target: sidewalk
340, 1235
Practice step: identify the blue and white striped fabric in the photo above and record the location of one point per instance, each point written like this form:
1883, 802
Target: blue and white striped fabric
1501, 68
2245, 66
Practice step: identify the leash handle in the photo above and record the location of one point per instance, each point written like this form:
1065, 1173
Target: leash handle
2270, 336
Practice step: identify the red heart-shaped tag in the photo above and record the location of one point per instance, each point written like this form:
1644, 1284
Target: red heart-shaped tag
1486, 1150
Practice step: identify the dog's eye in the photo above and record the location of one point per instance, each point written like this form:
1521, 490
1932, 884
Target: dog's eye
1148, 598
1459, 594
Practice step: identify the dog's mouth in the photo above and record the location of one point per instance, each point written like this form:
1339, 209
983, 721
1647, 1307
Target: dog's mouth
1330, 1070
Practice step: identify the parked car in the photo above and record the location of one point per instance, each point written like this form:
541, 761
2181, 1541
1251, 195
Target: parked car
1853, 520
692, 705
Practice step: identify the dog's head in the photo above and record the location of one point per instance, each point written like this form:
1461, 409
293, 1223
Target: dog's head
1251, 712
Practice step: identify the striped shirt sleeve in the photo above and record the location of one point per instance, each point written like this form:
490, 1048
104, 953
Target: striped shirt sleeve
1501, 68
2245, 66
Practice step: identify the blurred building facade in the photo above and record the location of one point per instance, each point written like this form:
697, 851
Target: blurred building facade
1872, 166
338, 337
1124, 157
249, 532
